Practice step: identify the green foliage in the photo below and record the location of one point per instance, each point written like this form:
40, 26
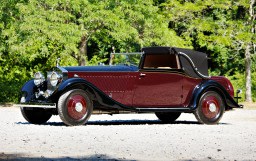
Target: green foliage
10, 92
95, 60
213, 26
238, 81
33, 34
222, 29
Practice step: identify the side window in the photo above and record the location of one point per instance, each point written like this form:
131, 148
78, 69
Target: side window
161, 61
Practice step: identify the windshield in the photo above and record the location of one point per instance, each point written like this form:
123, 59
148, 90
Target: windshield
125, 59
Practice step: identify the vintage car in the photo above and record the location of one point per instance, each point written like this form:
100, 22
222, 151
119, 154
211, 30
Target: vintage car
162, 80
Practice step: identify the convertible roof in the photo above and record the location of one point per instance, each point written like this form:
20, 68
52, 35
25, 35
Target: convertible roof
199, 59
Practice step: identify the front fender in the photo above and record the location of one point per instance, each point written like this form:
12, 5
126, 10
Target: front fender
101, 97
28, 90
207, 85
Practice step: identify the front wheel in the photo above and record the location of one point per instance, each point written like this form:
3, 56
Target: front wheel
167, 117
75, 107
36, 115
210, 108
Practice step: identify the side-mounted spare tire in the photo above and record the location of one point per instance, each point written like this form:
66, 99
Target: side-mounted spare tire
75, 107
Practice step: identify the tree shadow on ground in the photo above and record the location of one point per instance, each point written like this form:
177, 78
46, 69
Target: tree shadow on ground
25, 157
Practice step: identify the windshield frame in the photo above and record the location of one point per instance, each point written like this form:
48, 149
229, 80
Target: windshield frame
112, 55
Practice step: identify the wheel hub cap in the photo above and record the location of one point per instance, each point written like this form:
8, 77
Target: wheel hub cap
212, 107
79, 107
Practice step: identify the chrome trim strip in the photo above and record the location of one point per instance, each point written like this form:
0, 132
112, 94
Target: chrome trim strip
48, 106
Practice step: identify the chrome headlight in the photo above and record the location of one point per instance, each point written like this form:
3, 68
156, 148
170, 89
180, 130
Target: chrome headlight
55, 78
38, 78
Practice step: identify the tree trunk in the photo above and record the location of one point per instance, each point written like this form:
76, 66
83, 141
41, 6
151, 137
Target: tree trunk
253, 18
248, 84
82, 51
248, 50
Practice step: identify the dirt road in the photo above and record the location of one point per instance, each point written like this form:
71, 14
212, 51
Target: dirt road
129, 137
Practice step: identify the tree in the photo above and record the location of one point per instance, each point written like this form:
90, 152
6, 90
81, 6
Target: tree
11, 75
249, 49
51, 29
219, 28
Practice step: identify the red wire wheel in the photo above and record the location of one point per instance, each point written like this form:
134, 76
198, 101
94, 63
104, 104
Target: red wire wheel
210, 108
75, 107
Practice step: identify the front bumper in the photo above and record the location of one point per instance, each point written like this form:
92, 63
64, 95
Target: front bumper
37, 105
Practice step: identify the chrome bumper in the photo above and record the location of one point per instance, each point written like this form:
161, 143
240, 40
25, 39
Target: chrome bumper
37, 105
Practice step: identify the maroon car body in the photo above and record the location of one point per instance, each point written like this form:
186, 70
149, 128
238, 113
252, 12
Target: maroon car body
167, 82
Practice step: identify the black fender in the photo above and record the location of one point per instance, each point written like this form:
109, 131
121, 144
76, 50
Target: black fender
27, 90
101, 97
207, 85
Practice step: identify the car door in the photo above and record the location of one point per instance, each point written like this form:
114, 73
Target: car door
159, 82
158, 89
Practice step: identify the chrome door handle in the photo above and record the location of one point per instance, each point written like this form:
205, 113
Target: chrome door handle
142, 75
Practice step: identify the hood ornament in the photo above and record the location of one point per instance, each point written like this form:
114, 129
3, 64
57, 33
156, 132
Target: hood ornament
58, 62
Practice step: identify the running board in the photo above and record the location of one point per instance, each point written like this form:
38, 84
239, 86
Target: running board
182, 109
37, 105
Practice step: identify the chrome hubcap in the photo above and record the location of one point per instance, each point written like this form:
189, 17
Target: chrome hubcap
79, 107
212, 107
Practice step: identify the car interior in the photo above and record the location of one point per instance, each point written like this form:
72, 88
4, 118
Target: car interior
161, 61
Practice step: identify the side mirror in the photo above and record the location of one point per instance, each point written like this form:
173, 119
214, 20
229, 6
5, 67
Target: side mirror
57, 62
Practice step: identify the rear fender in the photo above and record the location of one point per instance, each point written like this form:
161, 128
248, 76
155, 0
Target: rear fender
214, 86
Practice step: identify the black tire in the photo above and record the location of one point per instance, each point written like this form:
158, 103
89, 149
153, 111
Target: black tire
75, 107
168, 117
210, 108
36, 115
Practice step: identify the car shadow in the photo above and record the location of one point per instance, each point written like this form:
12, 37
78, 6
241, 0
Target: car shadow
125, 122
137, 122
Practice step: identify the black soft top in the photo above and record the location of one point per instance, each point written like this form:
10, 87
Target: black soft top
194, 63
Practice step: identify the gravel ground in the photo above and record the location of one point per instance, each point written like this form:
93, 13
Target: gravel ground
129, 137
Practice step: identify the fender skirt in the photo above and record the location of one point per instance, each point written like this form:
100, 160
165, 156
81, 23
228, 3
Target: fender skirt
214, 86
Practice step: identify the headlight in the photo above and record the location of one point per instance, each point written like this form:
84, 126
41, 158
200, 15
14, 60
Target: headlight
55, 79
38, 78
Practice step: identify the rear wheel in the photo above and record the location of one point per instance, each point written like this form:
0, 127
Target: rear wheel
210, 108
36, 115
75, 107
168, 117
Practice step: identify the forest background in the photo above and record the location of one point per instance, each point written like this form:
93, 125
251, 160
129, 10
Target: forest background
34, 33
